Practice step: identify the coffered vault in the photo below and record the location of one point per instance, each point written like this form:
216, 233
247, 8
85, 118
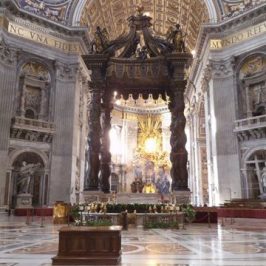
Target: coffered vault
112, 15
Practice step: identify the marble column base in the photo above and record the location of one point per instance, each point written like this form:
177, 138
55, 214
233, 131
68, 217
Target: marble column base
92, 196
181, 197
24, 201
263, 196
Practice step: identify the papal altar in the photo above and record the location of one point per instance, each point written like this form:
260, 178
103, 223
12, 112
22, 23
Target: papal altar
124, 198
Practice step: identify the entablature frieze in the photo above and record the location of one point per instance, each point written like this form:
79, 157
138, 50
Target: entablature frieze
32, 130
22, 16
251, 128
252, 134
73, 42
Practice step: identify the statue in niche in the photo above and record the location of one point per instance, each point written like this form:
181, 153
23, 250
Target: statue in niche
149, 172
263, 179
137, 185
149, 186
138, 172
162, 182
26, 173
176, 37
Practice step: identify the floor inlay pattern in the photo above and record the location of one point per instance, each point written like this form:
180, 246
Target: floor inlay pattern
238, 242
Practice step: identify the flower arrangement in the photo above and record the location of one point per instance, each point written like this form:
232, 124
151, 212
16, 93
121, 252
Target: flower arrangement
189, 212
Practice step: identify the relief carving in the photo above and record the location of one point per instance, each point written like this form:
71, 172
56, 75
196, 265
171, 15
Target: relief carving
29, 135
33, 92
66, 72
8, 55
207, 74
221, 69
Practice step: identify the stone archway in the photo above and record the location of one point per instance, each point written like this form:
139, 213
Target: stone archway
28, 184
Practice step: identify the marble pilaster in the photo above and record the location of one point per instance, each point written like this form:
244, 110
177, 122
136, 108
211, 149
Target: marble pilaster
225, 146
7, 91
62, 151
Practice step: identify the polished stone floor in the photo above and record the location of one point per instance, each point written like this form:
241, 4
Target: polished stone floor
238, 242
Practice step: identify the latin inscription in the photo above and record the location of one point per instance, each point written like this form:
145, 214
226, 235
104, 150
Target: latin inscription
238, 37
44, 39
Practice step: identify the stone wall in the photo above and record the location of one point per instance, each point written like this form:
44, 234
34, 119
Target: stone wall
63, 150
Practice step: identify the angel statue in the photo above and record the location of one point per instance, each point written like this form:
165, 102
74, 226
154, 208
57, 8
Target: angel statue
101, 40
25, 175
176, 37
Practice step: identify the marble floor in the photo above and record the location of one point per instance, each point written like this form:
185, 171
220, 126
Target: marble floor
237, 242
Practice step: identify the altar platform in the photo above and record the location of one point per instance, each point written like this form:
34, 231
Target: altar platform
178, 197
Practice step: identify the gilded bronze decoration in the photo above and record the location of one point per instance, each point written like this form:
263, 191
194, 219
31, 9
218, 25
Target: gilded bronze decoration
117, 65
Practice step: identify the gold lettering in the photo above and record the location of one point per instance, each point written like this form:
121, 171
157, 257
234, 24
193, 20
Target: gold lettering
32, 35
241, 36
73, 48
57, 44
16, 30
64, 46
250, 33
20, 32
215, 44
41, 39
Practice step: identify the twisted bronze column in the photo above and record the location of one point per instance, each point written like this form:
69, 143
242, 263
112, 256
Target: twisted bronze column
178, 155
94, 137
107, 107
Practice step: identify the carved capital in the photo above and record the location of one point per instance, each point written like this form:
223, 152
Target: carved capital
222, 69
207, 74
66, 72
8, 55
